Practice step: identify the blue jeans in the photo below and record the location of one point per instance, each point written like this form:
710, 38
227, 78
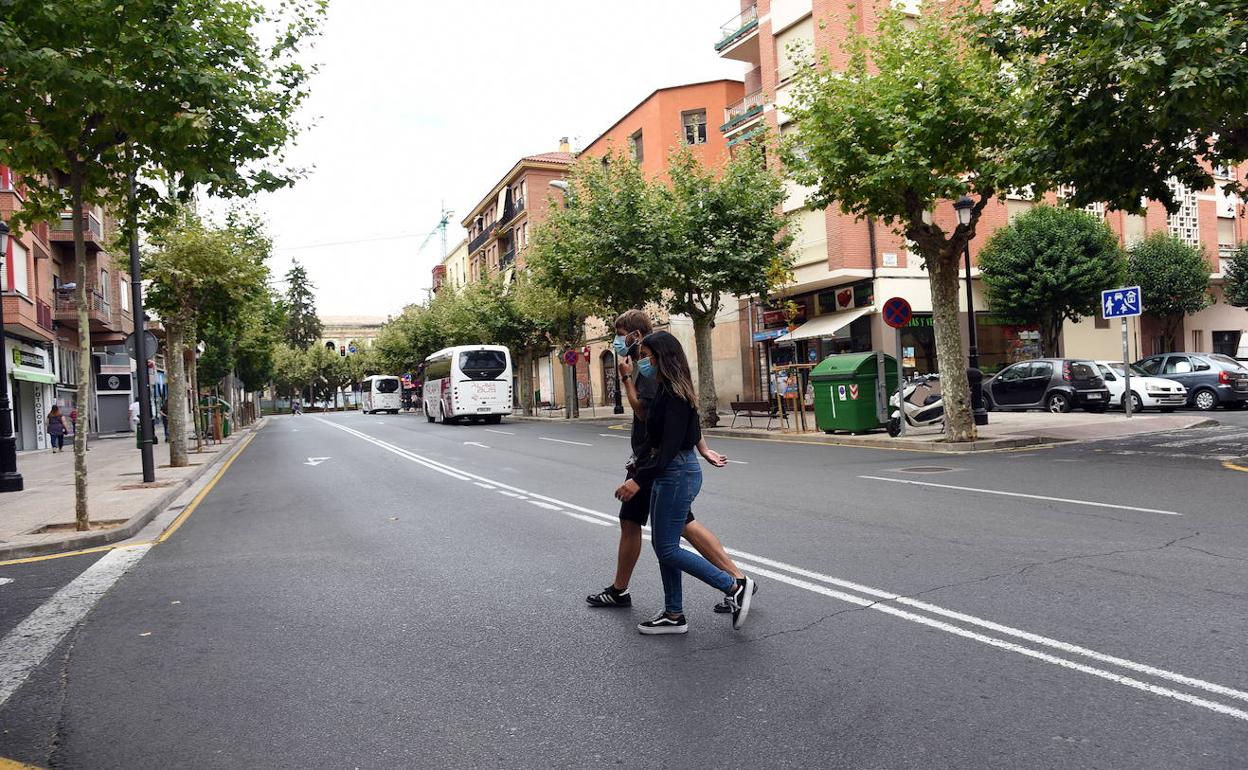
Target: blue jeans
58, 441
671, 498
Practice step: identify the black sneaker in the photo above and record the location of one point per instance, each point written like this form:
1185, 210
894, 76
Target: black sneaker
662, 624
739, 600
725, 606
610, 597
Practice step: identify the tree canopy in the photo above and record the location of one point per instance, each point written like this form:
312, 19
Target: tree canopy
1173, 276
303, 326
1236, 274
1126, 96
1049, 266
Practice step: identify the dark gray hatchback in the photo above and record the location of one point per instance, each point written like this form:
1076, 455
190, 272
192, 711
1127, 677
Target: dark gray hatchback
1054, 384
1211, 379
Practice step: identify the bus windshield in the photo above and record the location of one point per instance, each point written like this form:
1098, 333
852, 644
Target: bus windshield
482, 364
388, 385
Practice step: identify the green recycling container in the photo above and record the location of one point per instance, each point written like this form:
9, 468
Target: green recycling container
845, 392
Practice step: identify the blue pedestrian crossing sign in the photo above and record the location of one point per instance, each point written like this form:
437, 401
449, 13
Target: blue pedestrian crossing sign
1122, 303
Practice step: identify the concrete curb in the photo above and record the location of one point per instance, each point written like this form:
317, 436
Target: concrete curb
77, 542
987, 445
573, 421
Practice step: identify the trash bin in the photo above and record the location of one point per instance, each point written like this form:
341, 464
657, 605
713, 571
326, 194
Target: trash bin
846, 396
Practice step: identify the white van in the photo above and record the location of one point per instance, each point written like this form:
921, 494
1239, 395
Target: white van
382, 394
468, 382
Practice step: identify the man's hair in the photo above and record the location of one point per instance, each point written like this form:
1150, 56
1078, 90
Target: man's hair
634, 321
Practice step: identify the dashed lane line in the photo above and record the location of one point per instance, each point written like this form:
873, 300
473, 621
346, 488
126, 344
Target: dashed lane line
499, 432
1090, 503
562, 441
884, 601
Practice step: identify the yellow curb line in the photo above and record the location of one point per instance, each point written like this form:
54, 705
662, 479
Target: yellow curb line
163, 537
1230, 466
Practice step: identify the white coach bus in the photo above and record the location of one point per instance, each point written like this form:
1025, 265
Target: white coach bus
468, 382
381, 394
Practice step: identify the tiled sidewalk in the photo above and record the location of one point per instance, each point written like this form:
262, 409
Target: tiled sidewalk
115, 488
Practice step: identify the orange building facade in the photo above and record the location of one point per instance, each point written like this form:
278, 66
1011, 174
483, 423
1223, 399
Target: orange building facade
846, 268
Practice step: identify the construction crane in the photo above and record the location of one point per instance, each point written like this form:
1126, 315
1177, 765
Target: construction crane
441, 228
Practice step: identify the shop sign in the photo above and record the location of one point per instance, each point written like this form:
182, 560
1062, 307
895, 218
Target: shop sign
29, 359
924, 321
770, 334
112, 383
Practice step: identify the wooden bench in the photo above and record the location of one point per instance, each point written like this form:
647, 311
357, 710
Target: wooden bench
752, 409
546, 406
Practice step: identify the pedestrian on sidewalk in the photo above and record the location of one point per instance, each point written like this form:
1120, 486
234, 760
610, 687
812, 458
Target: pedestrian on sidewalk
56, 429
669, 465
630, 328
164, 417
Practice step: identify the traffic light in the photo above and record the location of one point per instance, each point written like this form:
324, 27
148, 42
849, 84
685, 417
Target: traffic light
342, 350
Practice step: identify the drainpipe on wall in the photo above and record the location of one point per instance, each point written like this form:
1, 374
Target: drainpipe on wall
871, 241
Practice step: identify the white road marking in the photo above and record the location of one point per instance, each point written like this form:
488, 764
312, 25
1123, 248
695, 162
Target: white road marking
1090, 503
547, 506
32, 640
500, 432
475, 443
315, 461
484, 486
394, 450
561, 441
614, 435
738, 462
589, 519
883, 601
1203, 440
3, 581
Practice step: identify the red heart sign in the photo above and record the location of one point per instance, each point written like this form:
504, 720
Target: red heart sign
844, 298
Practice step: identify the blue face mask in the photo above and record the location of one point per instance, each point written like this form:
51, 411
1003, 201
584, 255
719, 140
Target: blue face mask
645, 367
620, 345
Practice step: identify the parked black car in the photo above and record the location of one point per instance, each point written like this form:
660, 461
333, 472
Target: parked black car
1211, 379
1055, 384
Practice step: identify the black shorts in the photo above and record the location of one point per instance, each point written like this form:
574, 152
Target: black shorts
637, 508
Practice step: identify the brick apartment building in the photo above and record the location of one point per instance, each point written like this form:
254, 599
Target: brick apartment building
41, 322
678, 116
845, 268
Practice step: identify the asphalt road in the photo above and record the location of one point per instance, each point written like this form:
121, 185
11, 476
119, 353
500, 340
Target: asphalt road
373, 591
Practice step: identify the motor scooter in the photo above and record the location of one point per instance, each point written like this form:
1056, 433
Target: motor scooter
930, 412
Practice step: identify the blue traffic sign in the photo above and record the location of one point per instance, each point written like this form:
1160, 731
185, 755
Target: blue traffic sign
1122, 303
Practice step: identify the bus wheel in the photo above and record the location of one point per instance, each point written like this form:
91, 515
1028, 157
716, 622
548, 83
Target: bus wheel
429, 416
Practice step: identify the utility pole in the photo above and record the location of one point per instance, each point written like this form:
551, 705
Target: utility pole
146, 427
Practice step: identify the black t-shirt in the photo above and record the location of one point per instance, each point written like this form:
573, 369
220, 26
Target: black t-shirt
647, 389
672, 426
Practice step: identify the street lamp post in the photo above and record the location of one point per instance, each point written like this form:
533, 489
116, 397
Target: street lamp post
10, 479
974, 376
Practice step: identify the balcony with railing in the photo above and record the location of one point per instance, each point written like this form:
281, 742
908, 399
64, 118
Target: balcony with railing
743, 114
479, 240
99, 309
43, 315
738, 37
62, 230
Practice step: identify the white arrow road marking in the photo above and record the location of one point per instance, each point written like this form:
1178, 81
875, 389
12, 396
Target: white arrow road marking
1091, 503
561, 441
5, 580
314, 461
500, 432
475, 443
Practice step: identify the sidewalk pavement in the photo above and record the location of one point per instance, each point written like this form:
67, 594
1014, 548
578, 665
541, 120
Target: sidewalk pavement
1005, 430
40, 519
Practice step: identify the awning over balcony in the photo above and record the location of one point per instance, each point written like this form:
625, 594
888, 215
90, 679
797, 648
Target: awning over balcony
826, 325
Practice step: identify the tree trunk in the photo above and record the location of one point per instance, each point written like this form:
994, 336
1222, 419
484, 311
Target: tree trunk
708, 400
525, 362
955, 392
1050, 333
82, 520
176, 406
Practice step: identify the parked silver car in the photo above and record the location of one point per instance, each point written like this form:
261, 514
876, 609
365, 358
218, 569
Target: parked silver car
1211, 379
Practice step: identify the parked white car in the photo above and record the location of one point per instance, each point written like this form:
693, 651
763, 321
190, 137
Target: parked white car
1146, 392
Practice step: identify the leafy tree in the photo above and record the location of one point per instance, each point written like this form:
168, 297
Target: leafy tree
291, 370
303, 327
95, 89
1050, 266
1236, 287
919, 115
262, 323
196, 274
327, 373
723, 235
1173, 277
1126, 96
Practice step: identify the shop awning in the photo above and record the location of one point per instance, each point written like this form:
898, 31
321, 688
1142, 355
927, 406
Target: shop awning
826, 325
46, 379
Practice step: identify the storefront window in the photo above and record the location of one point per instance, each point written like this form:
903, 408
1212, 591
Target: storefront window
1000, 344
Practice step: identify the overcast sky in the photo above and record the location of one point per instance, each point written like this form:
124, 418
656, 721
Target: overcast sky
423, 102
